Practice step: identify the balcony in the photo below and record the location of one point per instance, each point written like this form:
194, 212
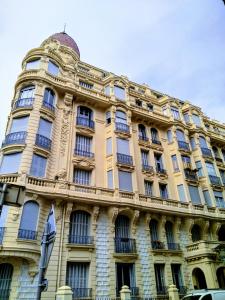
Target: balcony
48, 105
190, 175
15, 138
160, 170
134, 291
147, 168
43, 142
83, 153
125, 245
173, 246
80, 240
2, 231
25, 234
183, 146
121, 127
24, 103
156, 142
143, 138
157, 245
215, 180
206, 152
82, 293
124, 159
84, 122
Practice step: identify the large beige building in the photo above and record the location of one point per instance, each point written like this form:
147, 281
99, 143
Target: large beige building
136, 178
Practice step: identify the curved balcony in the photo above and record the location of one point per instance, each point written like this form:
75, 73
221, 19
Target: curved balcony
49, 106
124, 159
25, 234
80, 240
84, 122
43, 142
83, 153
24, 103
15, 138
183, 146
206, 152
121, 127
125, 245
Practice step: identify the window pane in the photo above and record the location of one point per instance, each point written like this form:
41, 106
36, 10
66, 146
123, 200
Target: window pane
207, 198
202, 142
107, 90
148, 188
186, 118
45, 128
169, 136
192, 142
175, 113
27, 92
109, 146
180, 189
119, 92
110, 179
53, 68
38, 166
210, 168
33, 64
82, 177
180, 135
144, 157
121, 117
194, 194
125, 181
175, 162
83, 143
196, 120
123, 146
19, 124
10, 163
49, 97
29, 216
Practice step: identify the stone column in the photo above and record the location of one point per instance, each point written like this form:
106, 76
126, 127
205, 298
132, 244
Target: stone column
173, 292
64, 293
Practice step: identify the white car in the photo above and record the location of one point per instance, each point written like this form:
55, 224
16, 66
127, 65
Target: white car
207, 294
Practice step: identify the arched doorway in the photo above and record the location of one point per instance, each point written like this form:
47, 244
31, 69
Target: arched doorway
198, 279
6, 271
220, 273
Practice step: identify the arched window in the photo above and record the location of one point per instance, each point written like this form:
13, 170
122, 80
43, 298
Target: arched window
180, 135
154, 233
202, 142
196, 233
85, 116
6, 272
198, 278
155, 135
123, 243
216, 152
221, 233
80, 228
121, 117
49, 99
170, 235
142, 132
27, 92
28, 222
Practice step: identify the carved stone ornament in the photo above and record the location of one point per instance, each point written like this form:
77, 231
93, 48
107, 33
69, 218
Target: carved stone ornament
69, 208
147, 221
135, 220
15, 214
95, 215
205, 229
68, 99
64, 131
83, 162
113, 213
61, 175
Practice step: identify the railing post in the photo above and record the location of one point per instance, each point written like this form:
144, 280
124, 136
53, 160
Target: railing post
64, 293
125, 293
173, 292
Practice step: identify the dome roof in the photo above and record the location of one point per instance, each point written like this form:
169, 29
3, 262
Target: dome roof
66, 40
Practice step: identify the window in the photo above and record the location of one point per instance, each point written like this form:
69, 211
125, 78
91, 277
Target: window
160, 279
138, 102
154, 230
110, 179
199, 168
28, 222
196, 119
82, 176
186, 118
175, 163
123, 146
80, 228
175, 113
169, 235
109, 146
86, 85
196, 233
169, 136
215, 151
163, 191
207, 198
49, 98
107, 90
27, 92
186, 159
125, 181
181, 193
210, 168
10, 163
142, 132
108, 117
19, 124
121, 117
194, 194
53, 68
202, 142
165, 111
219, 199
180, 135
150, 107
158, 161
45, 128
148, 188
33, 64
154, 134
192, 142
144, 158
38, 166
177, 277
119, 92
222, 175
83, 145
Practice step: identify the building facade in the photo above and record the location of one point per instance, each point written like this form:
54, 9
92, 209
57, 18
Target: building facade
136, 178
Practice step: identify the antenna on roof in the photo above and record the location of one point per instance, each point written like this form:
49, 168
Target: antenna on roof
64, 29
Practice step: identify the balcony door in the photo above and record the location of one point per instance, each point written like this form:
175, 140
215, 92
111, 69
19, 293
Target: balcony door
79, 227
6, 272
125, 275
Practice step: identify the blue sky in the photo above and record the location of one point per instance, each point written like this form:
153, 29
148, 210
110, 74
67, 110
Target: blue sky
175, 46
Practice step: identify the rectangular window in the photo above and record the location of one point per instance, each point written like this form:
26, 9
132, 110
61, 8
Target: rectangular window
222, 175
38, 166
110, 179
148, 188
107, 90
86, 85
123, 146
163, 191
176, 274
119, 92
207, 198
169, 136
77, 274
175, 163
45, 128
186, 118
165, 111
175, 113
210, 168
53, 68
109, 146
33, 64
83, 145
144, 157
108, 117
82, 176
19, 124
219, 199
199, 168
194, 194
181, 193
192, 142
159, 278
196, 119
10, 163
150, 107
158, 161
125, 181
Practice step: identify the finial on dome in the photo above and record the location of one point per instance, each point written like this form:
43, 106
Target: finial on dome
64, 29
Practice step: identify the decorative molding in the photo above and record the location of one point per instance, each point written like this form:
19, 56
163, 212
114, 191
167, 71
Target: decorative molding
64, 131
68, 99
113, 213
95, 215
134, 220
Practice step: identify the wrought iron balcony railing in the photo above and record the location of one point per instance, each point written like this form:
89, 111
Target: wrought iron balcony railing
2, 231
15, 138
147, 168
85, 122
5, 288
80, 240
125, 245
157, 245
134, 291
183, 145
143, 138
190, 175
206, 152
173, 246
160, 170
82, 293
161, 290
24, 103
124, 159
157, 142
215, 180
43, 142
83, 153
48, 105
122, 127
26, 234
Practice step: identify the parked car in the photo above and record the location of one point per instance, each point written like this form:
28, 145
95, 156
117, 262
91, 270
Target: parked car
206, 294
